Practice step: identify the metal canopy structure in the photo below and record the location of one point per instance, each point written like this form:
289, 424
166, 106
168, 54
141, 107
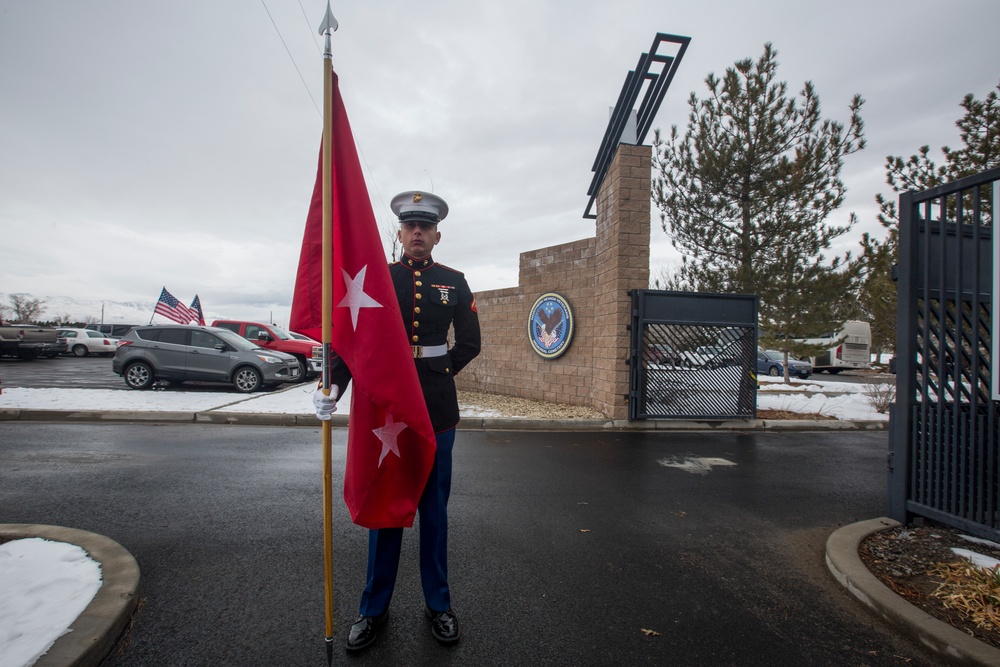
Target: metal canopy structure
654, 71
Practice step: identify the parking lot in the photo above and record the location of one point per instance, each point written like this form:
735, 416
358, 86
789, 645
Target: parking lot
64, 371
91, 372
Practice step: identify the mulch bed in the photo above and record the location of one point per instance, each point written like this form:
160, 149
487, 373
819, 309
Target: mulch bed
903, 557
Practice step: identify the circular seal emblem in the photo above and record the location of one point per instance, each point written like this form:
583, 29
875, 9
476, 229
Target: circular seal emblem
550, 325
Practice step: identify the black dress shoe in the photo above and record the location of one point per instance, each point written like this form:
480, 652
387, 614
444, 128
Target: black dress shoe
364, 632
444, 625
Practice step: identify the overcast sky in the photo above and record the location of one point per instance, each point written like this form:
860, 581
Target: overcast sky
145, 144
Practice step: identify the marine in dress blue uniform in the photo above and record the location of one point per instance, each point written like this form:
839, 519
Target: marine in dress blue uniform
433, 299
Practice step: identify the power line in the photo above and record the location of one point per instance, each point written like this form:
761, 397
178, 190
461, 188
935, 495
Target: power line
301, 78
309, 29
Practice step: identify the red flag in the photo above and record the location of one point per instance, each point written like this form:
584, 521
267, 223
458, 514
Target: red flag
390, 442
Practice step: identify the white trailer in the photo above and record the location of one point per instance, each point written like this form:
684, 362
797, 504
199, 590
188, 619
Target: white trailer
848, 348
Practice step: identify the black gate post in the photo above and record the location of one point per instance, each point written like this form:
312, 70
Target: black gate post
901, 412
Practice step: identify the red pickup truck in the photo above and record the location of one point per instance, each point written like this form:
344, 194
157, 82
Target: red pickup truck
308, 352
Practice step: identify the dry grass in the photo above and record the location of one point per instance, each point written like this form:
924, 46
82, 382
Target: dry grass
974, 592
513, 406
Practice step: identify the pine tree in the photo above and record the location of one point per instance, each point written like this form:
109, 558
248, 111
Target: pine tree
745, 194
979, 131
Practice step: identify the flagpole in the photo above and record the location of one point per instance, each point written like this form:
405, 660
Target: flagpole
326, 29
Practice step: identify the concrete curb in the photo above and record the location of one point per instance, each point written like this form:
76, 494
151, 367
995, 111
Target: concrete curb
95, 631
467, 423
846, 565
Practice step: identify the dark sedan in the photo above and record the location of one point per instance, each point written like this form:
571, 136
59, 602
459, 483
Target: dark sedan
771, 362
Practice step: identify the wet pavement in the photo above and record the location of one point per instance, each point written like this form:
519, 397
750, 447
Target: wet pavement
566, 548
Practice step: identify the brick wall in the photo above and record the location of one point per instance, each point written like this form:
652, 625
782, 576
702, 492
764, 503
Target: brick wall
594, 275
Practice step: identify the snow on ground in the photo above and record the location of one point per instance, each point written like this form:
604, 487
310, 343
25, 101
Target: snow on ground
843, 400
44, 586
293, 399
978, 559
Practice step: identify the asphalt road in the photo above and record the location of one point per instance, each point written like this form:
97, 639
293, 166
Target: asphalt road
566, 549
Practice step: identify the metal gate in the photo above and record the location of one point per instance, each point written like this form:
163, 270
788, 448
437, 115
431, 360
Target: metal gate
943, 460
693, 356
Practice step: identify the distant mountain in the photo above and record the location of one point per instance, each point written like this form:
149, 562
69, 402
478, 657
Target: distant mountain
92, 310
68, 309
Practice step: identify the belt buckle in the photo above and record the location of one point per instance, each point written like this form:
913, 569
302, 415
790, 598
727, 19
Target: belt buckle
418, 351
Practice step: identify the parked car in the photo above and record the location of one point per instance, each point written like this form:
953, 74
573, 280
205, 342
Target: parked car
662, 354
112, 330
29, 341
309, 353
716, 356
180, 353
771, 362
81, 342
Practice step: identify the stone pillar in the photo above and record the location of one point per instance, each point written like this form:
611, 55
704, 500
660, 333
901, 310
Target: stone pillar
624, 206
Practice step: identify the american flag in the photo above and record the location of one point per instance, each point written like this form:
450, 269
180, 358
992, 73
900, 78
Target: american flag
197, 316
171, 308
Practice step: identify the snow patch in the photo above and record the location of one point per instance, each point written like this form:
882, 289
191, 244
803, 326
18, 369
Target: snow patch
979, 560
44, 586
694, 464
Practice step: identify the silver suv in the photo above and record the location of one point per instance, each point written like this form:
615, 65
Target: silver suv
180, 353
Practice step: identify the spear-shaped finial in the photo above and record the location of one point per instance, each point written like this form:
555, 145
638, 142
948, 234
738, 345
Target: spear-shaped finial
326, 28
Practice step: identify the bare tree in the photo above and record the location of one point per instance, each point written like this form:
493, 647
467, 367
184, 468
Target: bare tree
391, 228
24, 308
665, 277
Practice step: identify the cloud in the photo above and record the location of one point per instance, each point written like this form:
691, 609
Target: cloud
176, 143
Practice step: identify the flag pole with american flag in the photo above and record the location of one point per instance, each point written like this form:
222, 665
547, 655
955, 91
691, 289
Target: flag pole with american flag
170, 307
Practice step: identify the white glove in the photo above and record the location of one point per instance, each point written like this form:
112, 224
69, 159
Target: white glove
325, 405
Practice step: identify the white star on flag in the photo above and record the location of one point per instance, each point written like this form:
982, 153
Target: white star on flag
356, 299
388, 434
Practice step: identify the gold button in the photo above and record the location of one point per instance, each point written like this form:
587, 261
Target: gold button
419, 284
415, 339
416, 310
447, 370
416, 325
416, 273
419, 296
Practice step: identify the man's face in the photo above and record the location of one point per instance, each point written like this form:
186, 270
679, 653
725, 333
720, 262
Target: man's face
418, 237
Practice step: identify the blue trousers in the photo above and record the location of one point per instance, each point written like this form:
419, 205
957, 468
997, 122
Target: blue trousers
384, 544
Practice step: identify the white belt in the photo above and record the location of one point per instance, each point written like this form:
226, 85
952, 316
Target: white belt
425, 351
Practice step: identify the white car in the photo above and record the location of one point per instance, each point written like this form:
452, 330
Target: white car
82, 342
